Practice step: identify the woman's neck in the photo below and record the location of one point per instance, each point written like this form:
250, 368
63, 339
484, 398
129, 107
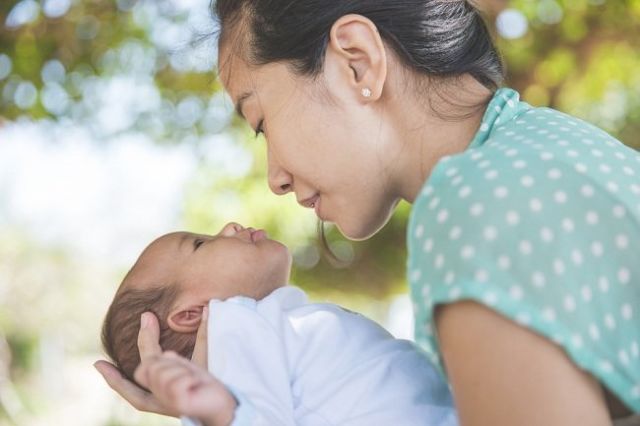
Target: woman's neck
442, 123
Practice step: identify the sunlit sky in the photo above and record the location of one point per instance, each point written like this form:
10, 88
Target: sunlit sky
101, 200
95, 186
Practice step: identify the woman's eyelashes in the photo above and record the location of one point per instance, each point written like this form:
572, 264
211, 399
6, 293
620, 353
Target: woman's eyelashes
260, 128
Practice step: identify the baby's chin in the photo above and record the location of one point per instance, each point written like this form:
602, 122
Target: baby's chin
287, 263
282, 262
276, 246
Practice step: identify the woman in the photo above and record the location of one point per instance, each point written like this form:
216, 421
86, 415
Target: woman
524, 220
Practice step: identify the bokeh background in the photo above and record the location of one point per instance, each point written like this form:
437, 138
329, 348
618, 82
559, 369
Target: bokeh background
114, 130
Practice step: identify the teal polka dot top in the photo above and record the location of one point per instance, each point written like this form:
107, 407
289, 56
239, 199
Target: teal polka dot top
538, 219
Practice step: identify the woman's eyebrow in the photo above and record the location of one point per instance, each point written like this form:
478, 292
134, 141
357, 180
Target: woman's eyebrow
243, 97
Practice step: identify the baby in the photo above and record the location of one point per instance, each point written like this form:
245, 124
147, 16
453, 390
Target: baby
285, 360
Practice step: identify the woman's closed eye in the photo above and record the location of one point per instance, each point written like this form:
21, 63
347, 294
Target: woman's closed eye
260, 128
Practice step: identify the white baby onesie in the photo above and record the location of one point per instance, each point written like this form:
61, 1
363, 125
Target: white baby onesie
290, 362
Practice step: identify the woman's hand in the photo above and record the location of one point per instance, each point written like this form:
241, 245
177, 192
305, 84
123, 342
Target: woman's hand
183, 387
148, 345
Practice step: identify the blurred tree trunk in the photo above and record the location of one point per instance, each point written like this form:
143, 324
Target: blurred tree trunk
9, 401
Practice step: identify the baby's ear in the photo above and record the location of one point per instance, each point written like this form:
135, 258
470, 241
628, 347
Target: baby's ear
185, 319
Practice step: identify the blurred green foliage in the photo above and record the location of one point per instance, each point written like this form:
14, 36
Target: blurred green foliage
64, 61
581, 57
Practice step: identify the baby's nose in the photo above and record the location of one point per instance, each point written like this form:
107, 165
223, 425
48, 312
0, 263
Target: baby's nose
231, 228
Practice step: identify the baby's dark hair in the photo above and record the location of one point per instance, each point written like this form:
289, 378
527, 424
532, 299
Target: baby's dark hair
122, 323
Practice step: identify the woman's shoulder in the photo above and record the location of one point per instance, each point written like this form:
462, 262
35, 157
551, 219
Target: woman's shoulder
538, 222
558, 201
540, 155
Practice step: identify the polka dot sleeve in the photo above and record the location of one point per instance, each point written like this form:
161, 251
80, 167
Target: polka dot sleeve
546, 234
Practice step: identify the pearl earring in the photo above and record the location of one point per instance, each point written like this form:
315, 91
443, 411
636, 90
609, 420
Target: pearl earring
366, 92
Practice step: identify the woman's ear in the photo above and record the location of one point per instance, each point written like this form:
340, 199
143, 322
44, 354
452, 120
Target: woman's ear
358, 56
185, 319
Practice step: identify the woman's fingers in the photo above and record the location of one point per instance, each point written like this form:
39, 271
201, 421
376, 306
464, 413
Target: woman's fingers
153, 366
149, 336
199, 356
132, 393
148, 346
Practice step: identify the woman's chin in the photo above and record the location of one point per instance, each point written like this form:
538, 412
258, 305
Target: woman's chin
361, 221
361, 231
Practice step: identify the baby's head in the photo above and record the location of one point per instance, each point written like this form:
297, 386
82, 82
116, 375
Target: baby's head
177, 275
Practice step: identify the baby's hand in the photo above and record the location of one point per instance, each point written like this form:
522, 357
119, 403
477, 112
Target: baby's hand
186, 388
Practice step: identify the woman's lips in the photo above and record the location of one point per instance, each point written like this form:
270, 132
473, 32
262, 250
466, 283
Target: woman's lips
313, 203
309, 202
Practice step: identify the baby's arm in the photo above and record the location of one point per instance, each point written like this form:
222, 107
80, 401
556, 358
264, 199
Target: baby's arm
247, 351
185, 388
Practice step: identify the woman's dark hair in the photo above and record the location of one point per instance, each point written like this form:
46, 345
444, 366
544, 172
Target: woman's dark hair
444, 38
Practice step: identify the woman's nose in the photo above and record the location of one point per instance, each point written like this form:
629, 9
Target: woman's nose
280, 181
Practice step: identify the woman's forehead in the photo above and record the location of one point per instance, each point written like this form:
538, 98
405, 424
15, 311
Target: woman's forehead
234, 72
242, 82
238, 76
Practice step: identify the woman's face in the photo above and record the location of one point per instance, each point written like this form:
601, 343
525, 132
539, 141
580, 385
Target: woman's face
323, 142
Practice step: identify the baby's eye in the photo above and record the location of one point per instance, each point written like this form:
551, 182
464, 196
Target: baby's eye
197, 243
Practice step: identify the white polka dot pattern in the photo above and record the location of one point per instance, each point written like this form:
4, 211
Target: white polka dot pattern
545, 229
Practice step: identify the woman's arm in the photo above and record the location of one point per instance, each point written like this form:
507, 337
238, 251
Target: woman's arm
503, 374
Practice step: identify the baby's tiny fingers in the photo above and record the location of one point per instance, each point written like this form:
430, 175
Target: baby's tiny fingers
163, 370
192, 366
179, 390
148, 369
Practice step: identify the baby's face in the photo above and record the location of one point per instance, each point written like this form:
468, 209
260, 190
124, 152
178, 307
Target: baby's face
236, 261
